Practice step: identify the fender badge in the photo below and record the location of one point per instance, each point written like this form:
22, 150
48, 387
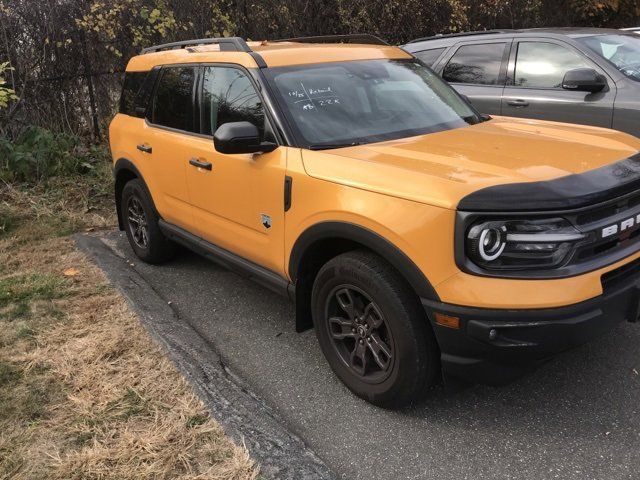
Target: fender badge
266, 220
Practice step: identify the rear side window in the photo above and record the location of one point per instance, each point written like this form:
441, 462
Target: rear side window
229, 96
543, 65
173, 101
476, 64
133, 81
429, 57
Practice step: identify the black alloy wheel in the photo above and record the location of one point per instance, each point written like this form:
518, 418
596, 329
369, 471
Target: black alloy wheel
360, 333
137, 222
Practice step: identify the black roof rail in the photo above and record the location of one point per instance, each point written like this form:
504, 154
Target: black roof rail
230, 44
459, 34
364, 38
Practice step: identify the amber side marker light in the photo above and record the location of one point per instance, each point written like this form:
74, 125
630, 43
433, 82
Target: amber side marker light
447, 321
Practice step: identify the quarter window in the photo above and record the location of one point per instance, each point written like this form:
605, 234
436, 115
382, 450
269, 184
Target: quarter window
543, 65
172, 105
132, 83
229, 96
476, 64
429, 57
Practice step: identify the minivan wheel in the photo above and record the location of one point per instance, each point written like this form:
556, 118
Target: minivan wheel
141, 225
373, 331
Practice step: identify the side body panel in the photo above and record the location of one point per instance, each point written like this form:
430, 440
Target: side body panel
163, 173
422, 232
239, 203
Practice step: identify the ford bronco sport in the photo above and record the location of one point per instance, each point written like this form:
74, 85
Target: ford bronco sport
415, 235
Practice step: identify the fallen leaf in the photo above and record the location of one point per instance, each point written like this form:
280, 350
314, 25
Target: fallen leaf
71, 272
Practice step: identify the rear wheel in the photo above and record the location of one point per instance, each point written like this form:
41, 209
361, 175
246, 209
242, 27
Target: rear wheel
141, 225
373, 331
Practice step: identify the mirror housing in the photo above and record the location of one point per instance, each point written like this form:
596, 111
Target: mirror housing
584, 80
240, 137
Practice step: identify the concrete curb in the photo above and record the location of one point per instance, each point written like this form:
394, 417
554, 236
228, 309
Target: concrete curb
243, 415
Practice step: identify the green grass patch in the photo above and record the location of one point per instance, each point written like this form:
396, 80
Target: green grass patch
19, 310
21, 289
195, 420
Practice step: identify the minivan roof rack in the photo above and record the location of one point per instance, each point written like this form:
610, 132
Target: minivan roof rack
230, 44
459, 34
350, 38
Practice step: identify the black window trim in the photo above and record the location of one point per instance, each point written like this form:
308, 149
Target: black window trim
453, 49
511, 71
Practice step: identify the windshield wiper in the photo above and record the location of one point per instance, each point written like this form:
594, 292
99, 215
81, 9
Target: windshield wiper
329, 146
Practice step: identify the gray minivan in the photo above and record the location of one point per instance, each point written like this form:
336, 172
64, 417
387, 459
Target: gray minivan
577, 75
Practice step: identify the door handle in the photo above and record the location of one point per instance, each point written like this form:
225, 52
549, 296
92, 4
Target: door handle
200, 164
518, 103
144, 148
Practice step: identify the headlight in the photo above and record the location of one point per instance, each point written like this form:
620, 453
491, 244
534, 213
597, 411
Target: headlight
521, 244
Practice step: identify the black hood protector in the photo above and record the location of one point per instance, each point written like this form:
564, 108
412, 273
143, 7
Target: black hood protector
564, 193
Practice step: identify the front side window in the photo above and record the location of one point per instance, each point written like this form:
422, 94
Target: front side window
343, 103
476, 64
229, 96
173, 102
544, 65
623, 51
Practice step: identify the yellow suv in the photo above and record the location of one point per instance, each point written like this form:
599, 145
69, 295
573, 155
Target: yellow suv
416, 235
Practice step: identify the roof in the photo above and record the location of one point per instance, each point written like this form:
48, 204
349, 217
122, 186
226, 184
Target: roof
572, 32
269, 53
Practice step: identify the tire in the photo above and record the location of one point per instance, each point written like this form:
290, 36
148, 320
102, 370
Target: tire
148, 242
373, 330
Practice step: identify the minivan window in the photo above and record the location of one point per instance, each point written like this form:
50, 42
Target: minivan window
476, 64
622, 51
229, 96
172, 104
429, 56
345, 103
544, 65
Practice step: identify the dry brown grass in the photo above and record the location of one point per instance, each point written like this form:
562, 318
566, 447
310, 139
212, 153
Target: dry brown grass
84, 392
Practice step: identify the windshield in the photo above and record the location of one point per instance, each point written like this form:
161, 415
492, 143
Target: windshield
623, 51
331, 105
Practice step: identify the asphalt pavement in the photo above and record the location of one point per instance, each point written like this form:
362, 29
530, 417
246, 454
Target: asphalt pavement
577, 417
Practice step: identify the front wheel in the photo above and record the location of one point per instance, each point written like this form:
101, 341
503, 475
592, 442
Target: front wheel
373, 331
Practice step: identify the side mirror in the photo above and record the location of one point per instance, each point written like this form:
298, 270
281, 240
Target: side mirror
240, 137
584, 80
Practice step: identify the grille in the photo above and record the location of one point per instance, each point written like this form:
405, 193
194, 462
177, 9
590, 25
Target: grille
592, 220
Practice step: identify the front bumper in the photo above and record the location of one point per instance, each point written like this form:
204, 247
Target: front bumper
495, 346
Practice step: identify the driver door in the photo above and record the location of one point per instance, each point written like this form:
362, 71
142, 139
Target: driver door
534, 85
237, 199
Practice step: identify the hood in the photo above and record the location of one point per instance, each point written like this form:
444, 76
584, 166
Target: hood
442, 168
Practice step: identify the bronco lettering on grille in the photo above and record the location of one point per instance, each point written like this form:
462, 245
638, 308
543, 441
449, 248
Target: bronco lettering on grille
621, 226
